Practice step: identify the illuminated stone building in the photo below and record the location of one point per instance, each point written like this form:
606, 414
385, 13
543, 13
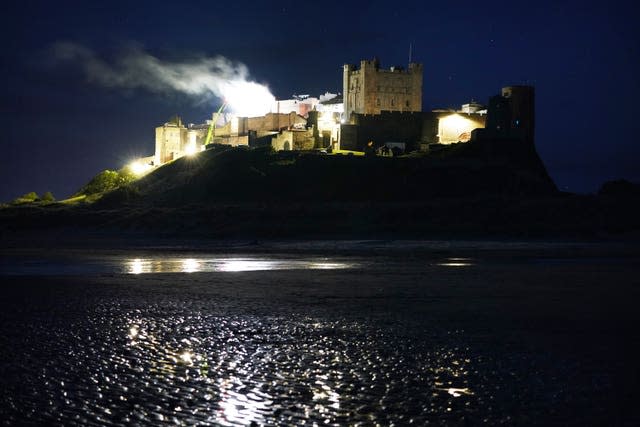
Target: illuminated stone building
294, 139
371, 90
416, 130
299, 104
382, 106
171, 140
174, 140
457, 126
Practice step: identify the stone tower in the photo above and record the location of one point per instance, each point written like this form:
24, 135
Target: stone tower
370, 89
522, 108
512, 113
171, 139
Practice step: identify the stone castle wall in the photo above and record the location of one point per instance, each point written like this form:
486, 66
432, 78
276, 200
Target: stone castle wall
170, 140
371, 90
293, 140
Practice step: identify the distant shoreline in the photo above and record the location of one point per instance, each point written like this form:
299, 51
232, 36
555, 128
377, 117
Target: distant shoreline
68, 244
551, 218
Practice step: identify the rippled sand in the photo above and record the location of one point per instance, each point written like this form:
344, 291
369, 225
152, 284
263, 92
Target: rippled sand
406, 339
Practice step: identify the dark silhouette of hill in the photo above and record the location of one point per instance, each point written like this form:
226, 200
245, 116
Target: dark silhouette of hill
465, 191
240, 175
619, 188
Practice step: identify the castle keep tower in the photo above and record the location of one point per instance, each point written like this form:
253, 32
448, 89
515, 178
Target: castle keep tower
522, 106
170, 141
370, 90
512, 113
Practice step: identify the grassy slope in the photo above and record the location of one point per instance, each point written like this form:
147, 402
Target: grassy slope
256, 176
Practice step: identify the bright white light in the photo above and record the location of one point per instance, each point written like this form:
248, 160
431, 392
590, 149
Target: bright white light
247, 99
454, 128
139, 168
186, 357
326, 120
324, 392
238, 408
246, 265
456, 262
190, 266
457, 392
327, 265
133, 332
190, 149
135, 267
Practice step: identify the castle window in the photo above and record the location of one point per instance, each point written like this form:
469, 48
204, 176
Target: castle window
392, 102
407, 103
378, 102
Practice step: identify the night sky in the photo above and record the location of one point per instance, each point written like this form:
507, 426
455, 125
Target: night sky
59, 128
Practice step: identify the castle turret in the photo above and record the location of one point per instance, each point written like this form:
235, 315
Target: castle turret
347, 96
522, 109
511, 114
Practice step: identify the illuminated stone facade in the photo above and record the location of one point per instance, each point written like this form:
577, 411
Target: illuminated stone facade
379, 107
174, 140
275, 122
371, 90
416, 130
293, 140
171, 140
454, 127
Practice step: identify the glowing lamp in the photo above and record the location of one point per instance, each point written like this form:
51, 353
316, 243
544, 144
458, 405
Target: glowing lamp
138, 168
454, 128
190, 150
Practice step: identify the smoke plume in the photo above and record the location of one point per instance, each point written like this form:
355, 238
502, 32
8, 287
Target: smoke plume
200, 78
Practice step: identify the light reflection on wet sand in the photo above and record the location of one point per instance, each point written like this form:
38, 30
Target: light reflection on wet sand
145, 368
456, 262
235, 374
345, 346
174, 263
193, 265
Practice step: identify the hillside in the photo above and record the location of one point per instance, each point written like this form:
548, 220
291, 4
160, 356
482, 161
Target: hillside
467, 190
241, 175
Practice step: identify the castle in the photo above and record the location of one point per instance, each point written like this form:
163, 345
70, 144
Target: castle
371, 90
382, 106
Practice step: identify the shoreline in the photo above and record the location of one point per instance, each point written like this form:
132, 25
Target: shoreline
551, 342
133, 241
558, 218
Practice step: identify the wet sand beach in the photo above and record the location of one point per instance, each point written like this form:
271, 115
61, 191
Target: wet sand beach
329, 333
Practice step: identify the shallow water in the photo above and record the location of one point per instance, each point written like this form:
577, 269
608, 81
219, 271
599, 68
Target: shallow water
284, 340
195, 263
141, 264
144, 366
